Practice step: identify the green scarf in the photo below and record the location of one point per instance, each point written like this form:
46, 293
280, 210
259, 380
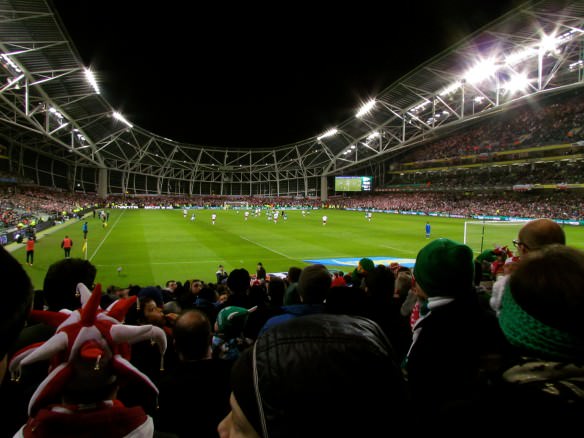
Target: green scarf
523, 330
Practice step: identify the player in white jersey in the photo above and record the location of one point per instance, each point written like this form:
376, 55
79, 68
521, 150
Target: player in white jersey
324, 219
213, 218
246, 215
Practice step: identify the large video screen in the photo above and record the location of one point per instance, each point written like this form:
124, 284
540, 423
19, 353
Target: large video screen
353, 183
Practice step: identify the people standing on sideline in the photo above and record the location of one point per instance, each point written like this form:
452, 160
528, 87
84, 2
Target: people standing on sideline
30, 251
84, 228
260, 273
213, 218
66, 244
324, 219
221, 275
428, 230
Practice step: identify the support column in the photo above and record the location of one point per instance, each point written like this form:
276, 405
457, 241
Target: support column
102, 183
323, 189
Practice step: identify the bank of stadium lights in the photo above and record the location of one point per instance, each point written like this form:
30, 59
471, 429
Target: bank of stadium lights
450, 89
489, 67
57, 115
14, 70
91, 79
10, 63
13, 82
483, 70
122, 119
517, 82
350, 149
419, 107
79, 136
366, 108
579, 65
439, 115
328, 133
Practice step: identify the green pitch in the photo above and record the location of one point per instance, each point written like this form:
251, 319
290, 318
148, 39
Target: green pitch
153, 246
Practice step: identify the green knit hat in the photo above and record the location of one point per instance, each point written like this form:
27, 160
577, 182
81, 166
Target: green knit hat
444, 268
367, 264
232, 319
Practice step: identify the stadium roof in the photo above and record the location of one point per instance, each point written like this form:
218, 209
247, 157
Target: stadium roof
48, 104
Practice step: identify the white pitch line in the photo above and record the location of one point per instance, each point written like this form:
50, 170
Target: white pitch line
397, 249
180, 262
106, 236
265, 247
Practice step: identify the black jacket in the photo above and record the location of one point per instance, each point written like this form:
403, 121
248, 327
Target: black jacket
321, 375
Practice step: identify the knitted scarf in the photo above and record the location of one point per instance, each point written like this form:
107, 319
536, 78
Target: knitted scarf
523, 330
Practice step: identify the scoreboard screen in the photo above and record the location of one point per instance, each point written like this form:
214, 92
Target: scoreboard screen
353, 183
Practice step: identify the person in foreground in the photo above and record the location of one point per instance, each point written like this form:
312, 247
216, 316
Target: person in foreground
314, 376
90, 353
16, 304
541, 317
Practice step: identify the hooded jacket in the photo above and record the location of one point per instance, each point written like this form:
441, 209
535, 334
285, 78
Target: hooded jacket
320, 375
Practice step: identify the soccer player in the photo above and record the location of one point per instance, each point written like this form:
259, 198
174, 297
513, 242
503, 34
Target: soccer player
369, 216
84, 228
428, 229
185, 212
276, 214
193, 217
66, 244
324, 219
246, 215
213, 218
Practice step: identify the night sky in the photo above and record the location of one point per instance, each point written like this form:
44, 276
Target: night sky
251, 75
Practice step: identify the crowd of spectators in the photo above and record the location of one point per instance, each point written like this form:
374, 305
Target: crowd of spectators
557, 204
27, 203
554, 120
496, 177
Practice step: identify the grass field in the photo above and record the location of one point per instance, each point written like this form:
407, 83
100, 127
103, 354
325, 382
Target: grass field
153, 246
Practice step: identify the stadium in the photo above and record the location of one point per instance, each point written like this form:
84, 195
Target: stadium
436, 142
477, 141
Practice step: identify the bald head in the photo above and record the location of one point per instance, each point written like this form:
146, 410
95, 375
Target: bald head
192, 335
540, 232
